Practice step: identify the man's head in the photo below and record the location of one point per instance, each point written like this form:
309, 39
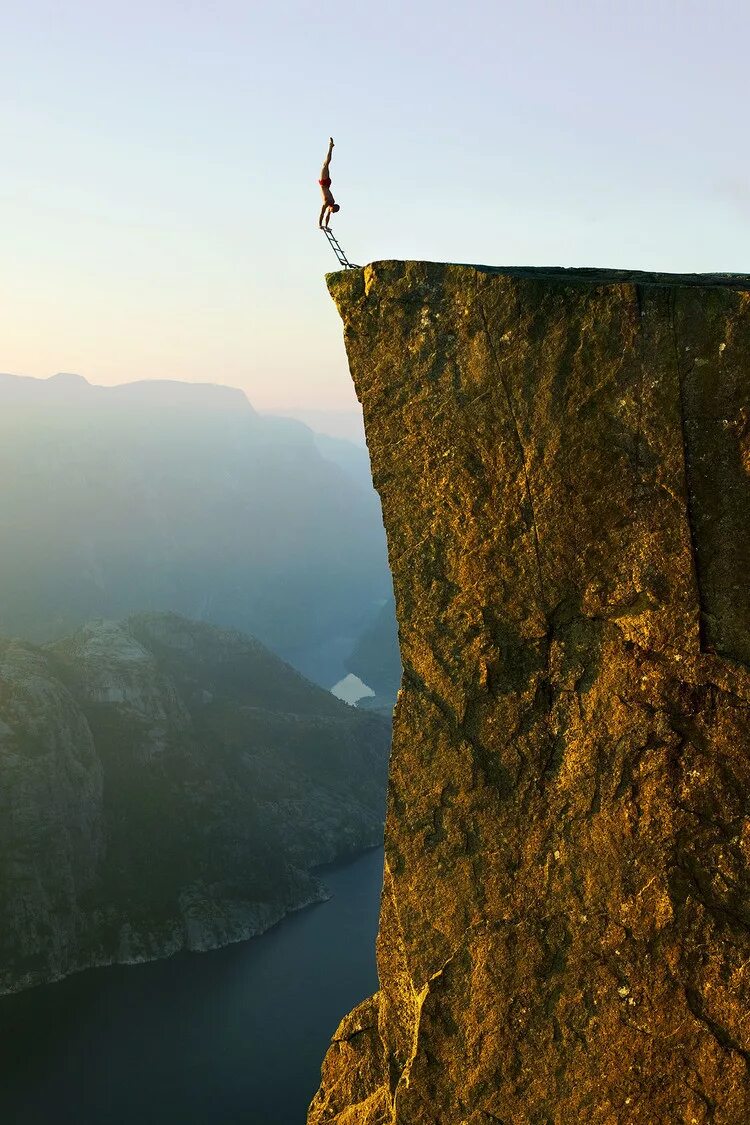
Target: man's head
335, 208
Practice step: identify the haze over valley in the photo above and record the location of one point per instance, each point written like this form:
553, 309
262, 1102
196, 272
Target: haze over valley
179, 497
183, 581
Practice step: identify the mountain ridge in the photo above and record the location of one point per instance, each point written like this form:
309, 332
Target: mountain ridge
168, 785
181, 497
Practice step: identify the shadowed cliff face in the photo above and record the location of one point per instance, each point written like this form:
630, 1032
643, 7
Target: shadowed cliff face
563, 463
168, 785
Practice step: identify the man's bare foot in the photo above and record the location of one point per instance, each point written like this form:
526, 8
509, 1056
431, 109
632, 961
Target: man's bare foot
330, 141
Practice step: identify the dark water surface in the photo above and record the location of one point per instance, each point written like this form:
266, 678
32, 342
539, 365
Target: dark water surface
232, 1037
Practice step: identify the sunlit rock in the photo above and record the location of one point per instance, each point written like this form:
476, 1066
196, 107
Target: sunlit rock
563, 463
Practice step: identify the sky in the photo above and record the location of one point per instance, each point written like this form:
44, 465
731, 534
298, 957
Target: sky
159, 198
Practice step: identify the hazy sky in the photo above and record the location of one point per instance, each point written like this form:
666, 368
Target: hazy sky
158, 195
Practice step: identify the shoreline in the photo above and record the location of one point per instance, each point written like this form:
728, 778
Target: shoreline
276, 918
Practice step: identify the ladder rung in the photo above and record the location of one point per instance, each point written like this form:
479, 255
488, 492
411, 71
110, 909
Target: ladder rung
340, 255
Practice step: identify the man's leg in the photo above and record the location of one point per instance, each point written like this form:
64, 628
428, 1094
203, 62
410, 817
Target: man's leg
324, 171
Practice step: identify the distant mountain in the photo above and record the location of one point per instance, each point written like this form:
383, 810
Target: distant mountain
347, 425
376, 659
164, 785
352, 458
180, 497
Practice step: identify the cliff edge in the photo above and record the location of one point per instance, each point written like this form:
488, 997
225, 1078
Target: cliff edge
563, 459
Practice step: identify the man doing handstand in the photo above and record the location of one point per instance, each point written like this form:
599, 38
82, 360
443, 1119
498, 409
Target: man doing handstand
330, 206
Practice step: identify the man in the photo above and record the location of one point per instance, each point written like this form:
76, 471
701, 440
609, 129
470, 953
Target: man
330, 206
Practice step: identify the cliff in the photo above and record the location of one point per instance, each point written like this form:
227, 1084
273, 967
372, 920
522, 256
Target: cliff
167, 785
563, 463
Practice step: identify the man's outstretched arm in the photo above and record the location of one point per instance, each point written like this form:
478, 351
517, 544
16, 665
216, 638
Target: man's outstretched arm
322, 213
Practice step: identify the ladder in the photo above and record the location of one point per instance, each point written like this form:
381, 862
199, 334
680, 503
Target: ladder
334, 244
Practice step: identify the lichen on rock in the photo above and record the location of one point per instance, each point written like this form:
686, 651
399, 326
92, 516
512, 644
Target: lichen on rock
562, 459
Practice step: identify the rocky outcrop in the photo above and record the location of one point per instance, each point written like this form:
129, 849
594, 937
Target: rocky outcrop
168, 785
51, 815
563, 463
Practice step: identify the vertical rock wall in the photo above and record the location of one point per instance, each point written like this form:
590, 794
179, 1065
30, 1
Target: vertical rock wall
563, 460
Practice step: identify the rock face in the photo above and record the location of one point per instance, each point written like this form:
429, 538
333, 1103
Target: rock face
563, 460
168, 785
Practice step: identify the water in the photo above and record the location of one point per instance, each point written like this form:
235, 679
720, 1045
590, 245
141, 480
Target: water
232, 1037
351, 689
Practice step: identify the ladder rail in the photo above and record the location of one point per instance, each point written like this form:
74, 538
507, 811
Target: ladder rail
341, 257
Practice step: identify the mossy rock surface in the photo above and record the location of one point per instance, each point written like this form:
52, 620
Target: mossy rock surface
563, 460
